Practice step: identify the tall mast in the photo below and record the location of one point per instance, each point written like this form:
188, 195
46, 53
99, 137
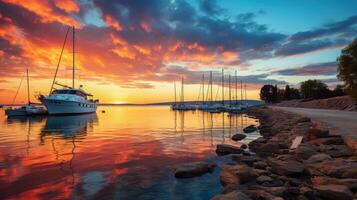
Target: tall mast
210, 78
222, 86
73, 60
245, 93
59, 60
241, 92
236, 83
203, 88
175, 92
28, 86
230, 95
182, 97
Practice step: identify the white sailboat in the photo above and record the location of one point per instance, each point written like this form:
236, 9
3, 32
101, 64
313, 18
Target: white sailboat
28, 109
68, 100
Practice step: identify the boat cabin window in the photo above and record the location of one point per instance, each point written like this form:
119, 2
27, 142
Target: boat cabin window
75, 92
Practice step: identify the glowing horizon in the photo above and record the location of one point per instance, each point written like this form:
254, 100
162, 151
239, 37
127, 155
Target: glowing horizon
133, 51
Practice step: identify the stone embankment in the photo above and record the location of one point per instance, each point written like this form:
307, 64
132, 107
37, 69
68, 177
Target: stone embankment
322, 167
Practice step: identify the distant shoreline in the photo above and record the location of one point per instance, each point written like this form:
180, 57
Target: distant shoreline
254, 102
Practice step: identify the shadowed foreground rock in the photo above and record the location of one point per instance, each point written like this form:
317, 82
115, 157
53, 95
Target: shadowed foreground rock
189, 170
224, 149
250, 129
238, 137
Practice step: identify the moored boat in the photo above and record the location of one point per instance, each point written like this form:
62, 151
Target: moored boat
68, 100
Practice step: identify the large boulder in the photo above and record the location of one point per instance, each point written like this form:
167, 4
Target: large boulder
327, 141
334, 192
351, 183
263, 178
339, 168
189, 170
224, 149
305, 151
318, 158
260, 165
238, 136
250, 129
236, 174
249, 160
286, 167
234, 195
314, 133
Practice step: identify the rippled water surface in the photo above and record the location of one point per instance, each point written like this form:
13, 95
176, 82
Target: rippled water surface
124, 153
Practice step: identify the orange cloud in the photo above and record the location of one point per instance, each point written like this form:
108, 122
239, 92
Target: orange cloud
67, 5
44, 9
144, 25
113, 22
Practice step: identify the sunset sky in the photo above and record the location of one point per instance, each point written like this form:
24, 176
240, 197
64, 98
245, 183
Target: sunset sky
131, 51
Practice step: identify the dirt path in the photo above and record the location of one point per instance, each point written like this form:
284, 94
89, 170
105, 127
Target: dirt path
344, 122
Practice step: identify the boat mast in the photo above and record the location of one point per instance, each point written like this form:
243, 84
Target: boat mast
241, 92
236, 83
230, 95
182, 97
210, 77
222, 86
59, 60
245, 93
73, 59
175, 92
28, 86
203, 88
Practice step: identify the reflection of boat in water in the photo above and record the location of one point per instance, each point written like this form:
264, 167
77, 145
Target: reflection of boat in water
68, 126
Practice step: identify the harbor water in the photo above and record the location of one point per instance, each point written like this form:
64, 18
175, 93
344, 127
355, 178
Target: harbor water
126, 152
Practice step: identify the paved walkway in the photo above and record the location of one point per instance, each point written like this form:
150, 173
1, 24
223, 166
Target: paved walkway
344, 122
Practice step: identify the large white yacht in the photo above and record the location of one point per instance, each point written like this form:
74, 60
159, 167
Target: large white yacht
68, 100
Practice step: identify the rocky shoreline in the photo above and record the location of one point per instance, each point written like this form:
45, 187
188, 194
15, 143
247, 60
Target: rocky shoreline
322, 167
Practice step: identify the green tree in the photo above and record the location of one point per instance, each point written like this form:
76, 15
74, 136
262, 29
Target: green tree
295, 93
347, 68
314, 89
287, 93
268, 94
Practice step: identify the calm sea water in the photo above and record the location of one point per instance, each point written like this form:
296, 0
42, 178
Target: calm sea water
124, 153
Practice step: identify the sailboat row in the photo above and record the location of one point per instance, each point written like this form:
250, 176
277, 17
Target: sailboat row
64, 100
206, 102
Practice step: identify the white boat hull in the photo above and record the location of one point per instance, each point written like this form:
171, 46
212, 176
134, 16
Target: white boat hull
58, 107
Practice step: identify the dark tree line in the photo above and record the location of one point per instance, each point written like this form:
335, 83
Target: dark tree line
315, 89
310, 89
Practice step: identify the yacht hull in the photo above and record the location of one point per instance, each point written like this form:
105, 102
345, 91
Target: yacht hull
15, 112
63, 107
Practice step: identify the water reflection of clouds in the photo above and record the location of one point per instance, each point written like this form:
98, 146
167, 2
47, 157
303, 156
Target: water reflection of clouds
123, 156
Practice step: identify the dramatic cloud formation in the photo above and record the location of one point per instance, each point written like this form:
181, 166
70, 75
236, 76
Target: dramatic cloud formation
135, 44
326, 68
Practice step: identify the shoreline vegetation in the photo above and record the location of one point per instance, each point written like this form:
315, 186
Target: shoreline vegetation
321, 167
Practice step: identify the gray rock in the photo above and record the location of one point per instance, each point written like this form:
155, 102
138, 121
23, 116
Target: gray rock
224, 149
314, 133
238, 136
234, 195
260, 165
305, 151
334, 192
318, 158
250, 129
189, 170
236, 174
263, 178
286, 167
303, 119
249, 160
